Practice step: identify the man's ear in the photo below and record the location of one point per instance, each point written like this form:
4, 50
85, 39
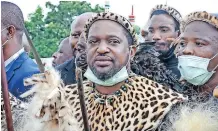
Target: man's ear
177, 33
133, 51
11, 31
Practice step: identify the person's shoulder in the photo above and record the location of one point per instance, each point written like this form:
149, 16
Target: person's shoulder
65, 64
73, 88
28, 68
145, 81
153, 88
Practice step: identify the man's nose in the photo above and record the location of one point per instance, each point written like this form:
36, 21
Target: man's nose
188, 50
54, 55
156, 36
103, 48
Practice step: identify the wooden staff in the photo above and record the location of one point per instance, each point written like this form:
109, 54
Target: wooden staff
81, 98
35, 54
6, 99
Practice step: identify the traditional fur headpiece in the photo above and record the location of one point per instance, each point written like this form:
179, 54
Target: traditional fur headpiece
171, 11
112, 17
200, 16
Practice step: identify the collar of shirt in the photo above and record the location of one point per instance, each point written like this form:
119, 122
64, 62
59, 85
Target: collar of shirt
14, 57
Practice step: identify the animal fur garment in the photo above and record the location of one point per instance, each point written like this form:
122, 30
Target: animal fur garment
18, 110
47, 89
146, 63
34, 116
193, 116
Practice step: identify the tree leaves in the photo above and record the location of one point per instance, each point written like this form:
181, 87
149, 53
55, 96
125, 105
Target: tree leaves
47, 30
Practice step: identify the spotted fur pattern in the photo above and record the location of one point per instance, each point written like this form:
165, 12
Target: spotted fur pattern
113, 17
53, 114
141, 107
36, 115
199, 16
171, 11
17, 109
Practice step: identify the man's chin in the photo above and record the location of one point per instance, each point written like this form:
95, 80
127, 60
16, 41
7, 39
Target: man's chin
161, 50
103, 70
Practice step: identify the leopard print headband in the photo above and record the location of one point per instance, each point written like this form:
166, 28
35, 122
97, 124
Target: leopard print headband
200, 16
112, 17
171, 11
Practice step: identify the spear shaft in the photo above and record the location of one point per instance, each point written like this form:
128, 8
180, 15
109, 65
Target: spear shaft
81, 98
35, 54
7, 106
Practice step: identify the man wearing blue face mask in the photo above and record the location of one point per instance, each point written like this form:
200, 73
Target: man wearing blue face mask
115, 99
198, 51
18, 65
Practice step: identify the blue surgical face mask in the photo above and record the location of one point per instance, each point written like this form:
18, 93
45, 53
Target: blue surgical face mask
117, 78
194, 69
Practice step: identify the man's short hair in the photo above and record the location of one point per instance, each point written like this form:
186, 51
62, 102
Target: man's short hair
162, 12
11, 14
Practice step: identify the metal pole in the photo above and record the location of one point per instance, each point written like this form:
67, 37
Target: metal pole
6, 99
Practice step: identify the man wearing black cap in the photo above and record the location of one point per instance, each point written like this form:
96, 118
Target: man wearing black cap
164, 25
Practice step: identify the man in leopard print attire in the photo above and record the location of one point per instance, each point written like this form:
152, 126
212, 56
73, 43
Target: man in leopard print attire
115, 100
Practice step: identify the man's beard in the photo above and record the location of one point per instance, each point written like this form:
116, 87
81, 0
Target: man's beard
81, 62
106, 75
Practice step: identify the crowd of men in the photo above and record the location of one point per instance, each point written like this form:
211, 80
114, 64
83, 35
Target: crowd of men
165, 81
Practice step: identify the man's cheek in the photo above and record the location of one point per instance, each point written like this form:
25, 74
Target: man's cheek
74, 42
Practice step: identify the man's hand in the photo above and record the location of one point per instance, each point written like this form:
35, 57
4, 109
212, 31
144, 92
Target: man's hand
174, 43
215, 92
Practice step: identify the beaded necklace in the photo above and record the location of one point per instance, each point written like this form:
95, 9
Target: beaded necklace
108, 99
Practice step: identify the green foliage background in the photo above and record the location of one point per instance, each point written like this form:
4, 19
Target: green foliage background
46, 30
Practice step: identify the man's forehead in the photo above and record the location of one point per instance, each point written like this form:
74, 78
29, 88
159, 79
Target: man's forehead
161, 20
64, 43
118, 19
77, 29
79, 23
199, 30
201, 27
111, 29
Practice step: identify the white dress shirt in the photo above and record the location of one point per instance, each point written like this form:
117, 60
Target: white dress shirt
14, 57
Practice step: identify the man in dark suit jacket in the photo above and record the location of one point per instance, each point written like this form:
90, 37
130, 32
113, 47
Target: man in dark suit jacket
17, 63
67, 70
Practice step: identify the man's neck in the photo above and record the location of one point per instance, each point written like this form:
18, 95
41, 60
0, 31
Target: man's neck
10, 51
212, 83
108, 90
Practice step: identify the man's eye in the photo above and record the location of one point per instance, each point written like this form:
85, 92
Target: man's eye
164, 30
151, 31
75, 35
199, 43
113, 41
92, 41
80, 50
182, 44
